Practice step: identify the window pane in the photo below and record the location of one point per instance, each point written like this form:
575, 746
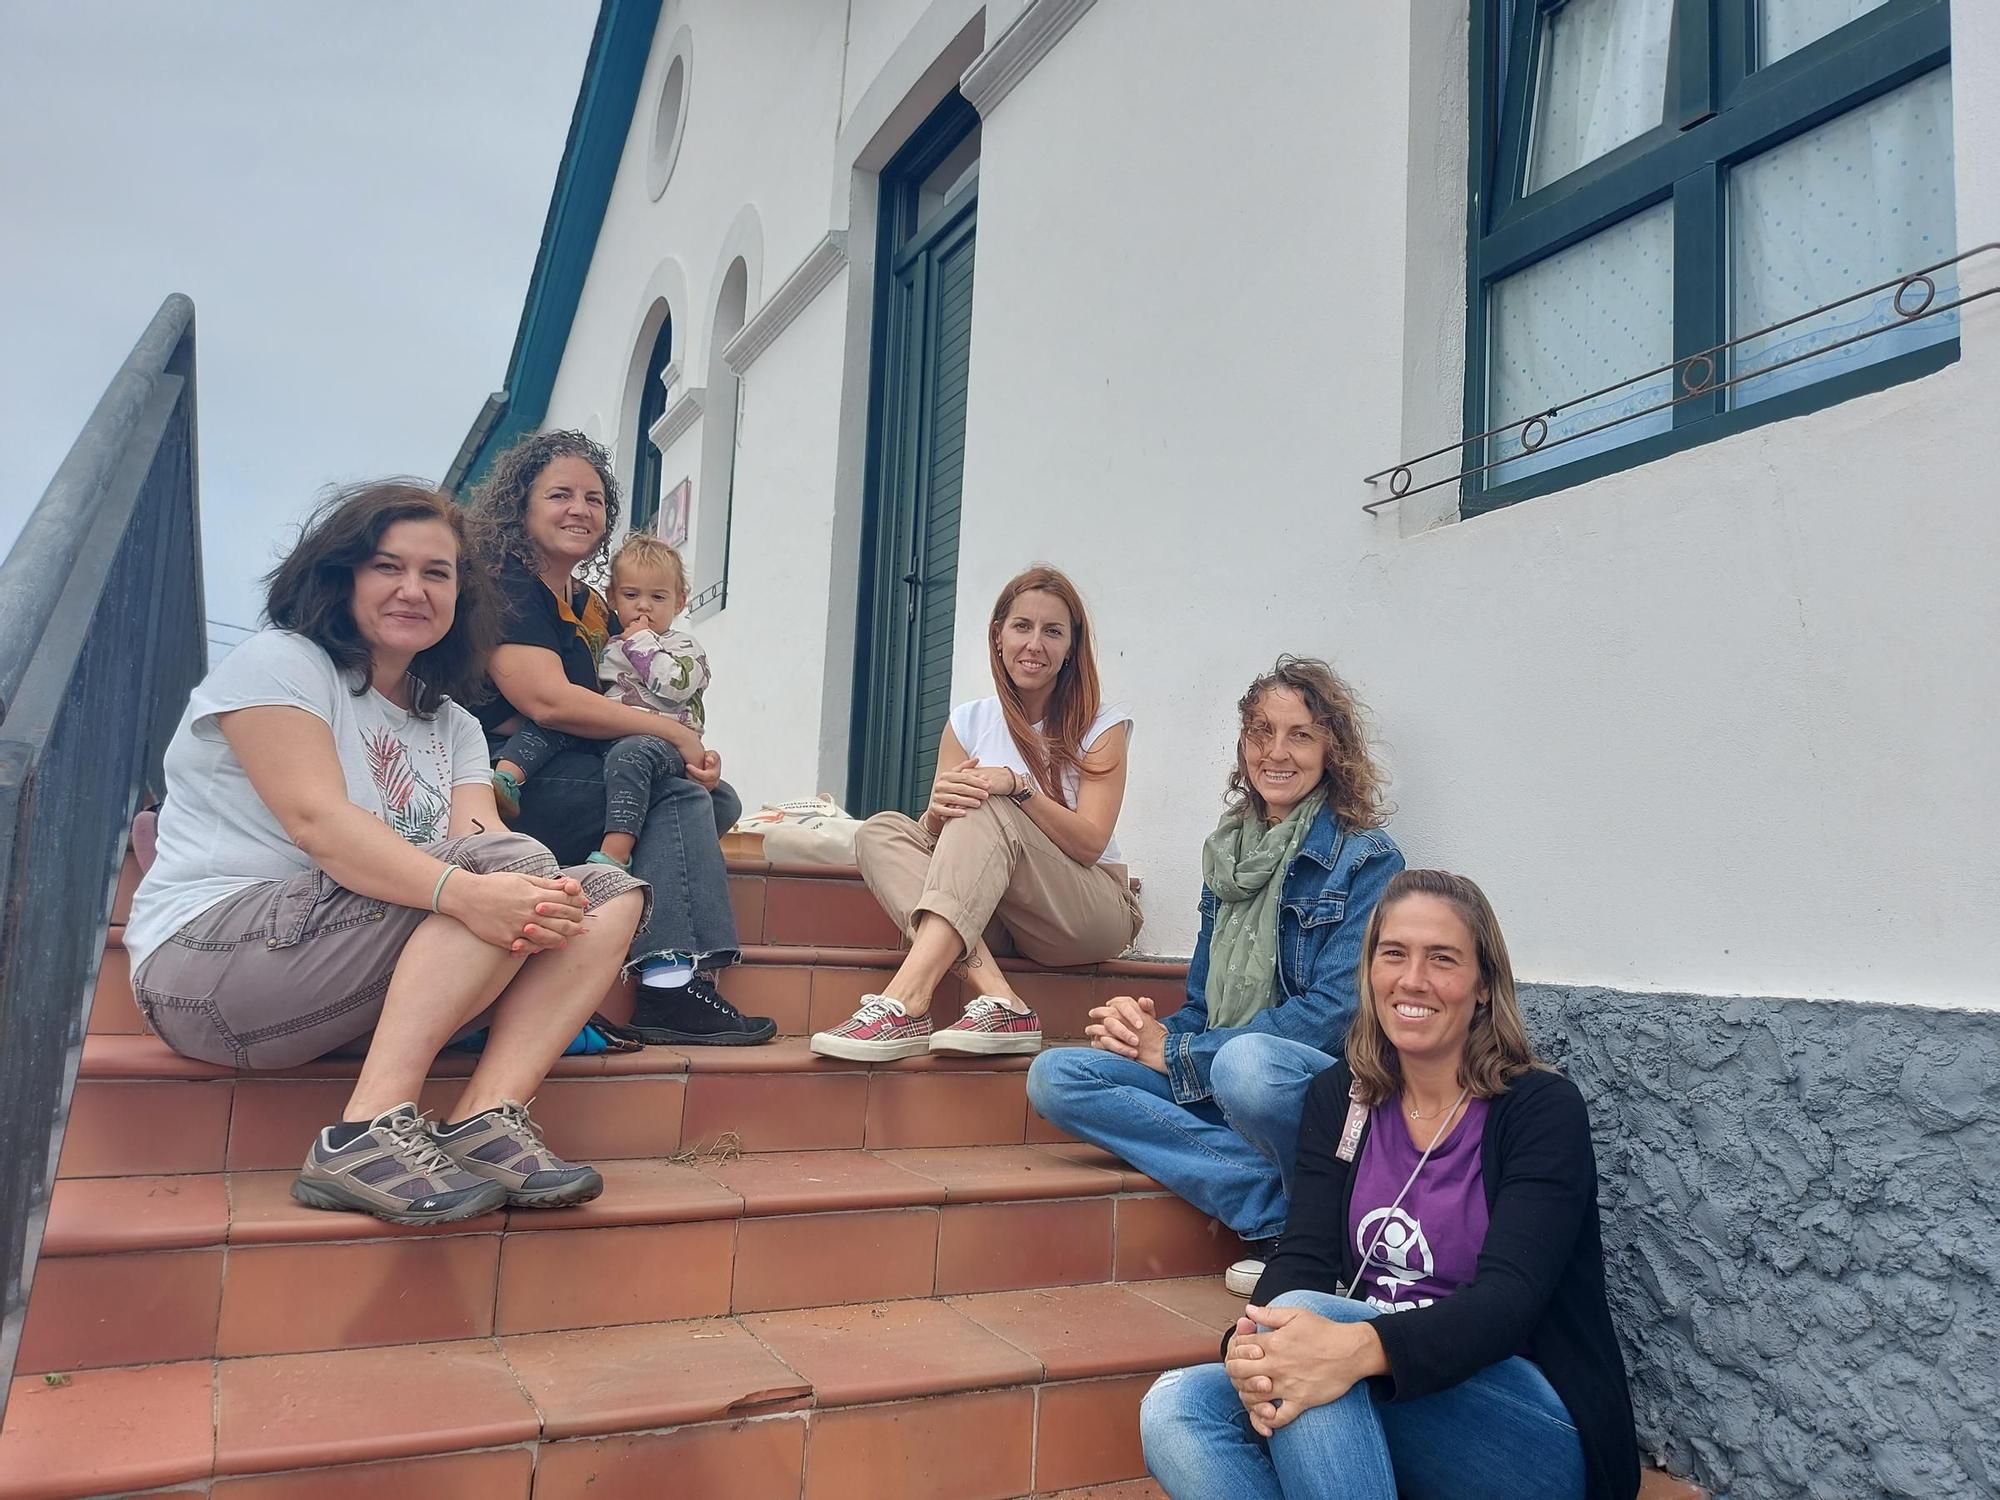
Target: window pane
1861, 199
1602, 81
1784, 26
945, 178
1587, 317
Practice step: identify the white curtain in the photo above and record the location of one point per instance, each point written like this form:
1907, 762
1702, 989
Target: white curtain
1599, 312
1784, 26
1863, 198
1602, 81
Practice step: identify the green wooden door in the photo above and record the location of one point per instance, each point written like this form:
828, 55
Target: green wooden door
903, 675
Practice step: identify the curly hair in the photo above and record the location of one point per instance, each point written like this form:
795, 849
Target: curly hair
499, 503
311, 593
1497, 1049
1353, 782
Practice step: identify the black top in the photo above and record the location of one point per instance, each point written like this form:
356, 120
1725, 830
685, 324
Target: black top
1538, 1288
530, 615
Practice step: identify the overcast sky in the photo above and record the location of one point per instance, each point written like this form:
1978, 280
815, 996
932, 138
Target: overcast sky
352, 193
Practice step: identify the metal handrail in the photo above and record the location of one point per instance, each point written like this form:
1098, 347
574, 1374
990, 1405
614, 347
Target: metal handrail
101, 641
1533, 430
35, 569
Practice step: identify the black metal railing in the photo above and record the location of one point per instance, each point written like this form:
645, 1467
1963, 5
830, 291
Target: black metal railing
1696, 376
101, 641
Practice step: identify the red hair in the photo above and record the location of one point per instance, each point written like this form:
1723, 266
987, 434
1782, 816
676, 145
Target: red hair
1057, 748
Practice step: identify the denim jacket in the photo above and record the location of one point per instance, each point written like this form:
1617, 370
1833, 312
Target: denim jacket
1334, 882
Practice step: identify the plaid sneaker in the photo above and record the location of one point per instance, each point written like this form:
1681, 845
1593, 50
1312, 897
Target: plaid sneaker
990, 1025
503, 1146
395, 1171
880, 1031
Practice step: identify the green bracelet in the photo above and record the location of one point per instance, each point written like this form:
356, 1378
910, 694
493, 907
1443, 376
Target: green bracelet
438, 889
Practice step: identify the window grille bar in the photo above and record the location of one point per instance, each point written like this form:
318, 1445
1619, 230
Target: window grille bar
1914, 301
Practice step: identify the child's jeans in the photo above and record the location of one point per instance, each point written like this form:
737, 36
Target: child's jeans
632, 767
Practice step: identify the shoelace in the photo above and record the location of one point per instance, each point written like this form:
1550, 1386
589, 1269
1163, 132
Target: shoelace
415, 1146
875, 1010
514, 1116
986, 1007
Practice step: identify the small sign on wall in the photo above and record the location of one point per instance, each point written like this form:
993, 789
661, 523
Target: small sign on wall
674, 506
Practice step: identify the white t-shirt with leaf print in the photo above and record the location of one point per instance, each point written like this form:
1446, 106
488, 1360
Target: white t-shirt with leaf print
216, 835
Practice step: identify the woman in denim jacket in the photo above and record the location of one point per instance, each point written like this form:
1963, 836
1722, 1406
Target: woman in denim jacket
1207, 1101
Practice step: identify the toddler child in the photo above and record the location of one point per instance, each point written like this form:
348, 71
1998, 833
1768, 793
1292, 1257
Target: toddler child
650, 665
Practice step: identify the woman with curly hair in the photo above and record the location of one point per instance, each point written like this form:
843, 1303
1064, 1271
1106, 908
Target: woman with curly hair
548, 509
1207, 1101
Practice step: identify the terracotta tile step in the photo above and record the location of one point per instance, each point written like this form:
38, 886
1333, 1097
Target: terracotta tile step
970, 1398
810, 989
140, 1110
146, 1058
173, 1268
815, 905
999, 1395
807, 988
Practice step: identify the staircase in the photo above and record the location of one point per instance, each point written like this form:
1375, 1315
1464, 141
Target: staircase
804, 1278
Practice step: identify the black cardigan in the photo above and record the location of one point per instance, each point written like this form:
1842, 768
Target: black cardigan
1539, 1285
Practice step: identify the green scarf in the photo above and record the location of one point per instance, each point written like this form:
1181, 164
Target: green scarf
1244, 864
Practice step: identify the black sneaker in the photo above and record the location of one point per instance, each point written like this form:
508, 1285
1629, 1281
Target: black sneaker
695, 1015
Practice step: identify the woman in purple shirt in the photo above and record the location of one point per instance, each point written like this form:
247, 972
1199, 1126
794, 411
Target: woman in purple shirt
1433, 1324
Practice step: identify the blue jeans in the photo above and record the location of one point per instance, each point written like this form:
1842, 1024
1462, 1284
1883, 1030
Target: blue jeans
631, 766
1502, 1434
679, 853
1230, 1155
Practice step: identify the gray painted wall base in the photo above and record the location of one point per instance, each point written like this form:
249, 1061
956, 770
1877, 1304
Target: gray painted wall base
1802, 1222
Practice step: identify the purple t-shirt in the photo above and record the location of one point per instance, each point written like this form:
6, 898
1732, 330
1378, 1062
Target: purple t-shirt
1430, 1245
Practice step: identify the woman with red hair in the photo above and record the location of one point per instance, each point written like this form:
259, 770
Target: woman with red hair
1018, 832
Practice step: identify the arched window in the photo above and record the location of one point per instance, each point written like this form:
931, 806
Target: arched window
721, 405
652, 406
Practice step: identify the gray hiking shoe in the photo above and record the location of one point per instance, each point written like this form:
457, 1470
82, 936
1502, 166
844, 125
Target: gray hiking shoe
395, 1171
503, 1146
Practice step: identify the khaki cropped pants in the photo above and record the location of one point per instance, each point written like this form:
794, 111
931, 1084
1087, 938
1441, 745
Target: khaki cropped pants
992, 865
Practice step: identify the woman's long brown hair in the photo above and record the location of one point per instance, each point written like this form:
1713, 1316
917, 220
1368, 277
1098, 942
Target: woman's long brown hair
1057, 748
1497, 1049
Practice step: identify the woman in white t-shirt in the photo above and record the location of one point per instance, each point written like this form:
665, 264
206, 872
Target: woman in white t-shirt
1018, 831
325, 874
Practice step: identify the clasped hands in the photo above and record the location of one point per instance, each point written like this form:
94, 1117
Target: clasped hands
1284, 1361
1125, 1024
524, 914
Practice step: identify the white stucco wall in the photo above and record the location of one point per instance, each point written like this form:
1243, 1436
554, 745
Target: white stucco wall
1721, 723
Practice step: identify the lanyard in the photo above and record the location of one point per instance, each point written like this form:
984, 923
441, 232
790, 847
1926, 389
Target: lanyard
1409, 1182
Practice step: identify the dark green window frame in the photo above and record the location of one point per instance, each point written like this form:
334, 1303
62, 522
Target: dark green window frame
1720, 112
645, 494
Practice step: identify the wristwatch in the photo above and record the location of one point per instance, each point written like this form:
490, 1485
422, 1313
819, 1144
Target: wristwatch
1023, 788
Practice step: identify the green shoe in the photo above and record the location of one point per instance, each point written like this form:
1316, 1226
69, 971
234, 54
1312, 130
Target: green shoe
599, 857
507, 795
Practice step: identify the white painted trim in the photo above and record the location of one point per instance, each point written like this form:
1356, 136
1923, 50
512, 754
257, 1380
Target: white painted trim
995, 71
678, 418
670, 377
661, 156
811, 277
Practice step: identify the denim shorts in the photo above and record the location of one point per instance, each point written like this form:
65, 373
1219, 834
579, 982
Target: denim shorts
290, 970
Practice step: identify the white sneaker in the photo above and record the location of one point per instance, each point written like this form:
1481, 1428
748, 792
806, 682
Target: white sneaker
1241, 1279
